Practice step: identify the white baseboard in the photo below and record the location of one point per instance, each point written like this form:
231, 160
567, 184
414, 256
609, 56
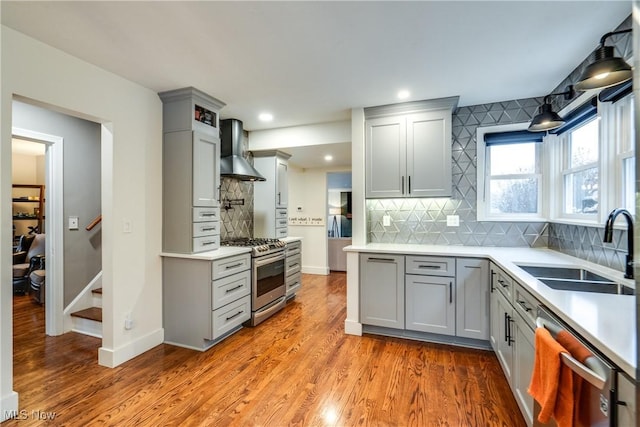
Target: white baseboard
9, 406
322, 271
112, 358
351, 327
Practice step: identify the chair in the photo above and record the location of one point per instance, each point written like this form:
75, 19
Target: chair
28, 257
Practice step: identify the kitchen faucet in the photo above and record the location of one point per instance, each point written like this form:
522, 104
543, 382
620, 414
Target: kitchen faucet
608, 237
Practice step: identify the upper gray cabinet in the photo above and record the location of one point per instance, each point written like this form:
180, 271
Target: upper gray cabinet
270, 197
408, 149
190, 171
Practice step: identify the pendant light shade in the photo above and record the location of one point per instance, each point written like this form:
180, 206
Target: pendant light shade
607, 69
547, 119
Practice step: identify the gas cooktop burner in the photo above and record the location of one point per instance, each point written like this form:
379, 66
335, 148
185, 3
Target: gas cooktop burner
261, 246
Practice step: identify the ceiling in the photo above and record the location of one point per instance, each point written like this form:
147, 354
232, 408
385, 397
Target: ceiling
312, 61
28, 148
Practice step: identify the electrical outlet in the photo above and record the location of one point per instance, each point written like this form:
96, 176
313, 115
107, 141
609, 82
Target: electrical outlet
453, 221
128, 322
126, 226
386, 220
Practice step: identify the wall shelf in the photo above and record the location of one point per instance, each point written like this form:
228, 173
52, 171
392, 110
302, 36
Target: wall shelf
28, 204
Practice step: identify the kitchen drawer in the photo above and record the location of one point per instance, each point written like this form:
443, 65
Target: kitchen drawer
281, 232
526, 304
209, 228
503, 282
281, 214
431, 266
232, 265
293, 282
229, 317
281, 222
206, 243
292, 265
230, 288
293, 248
206, 214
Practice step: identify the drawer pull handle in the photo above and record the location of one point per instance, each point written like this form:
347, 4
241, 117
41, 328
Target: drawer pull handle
293, 265
208, 214
233, 266
502, 282
235, 315
209, 229
522, 303
209, 243
431, 267
234, 289
381, 259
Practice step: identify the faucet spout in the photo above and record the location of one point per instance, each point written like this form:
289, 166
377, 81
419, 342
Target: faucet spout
608, 237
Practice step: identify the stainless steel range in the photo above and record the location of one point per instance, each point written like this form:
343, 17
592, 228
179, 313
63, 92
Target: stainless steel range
268, 290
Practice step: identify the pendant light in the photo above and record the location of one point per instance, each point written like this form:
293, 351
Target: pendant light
607, 70
547, 119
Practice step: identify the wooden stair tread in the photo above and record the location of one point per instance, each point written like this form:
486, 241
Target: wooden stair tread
96, 291
92, 313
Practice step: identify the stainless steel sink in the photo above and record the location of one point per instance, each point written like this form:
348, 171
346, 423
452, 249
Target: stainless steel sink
576, 279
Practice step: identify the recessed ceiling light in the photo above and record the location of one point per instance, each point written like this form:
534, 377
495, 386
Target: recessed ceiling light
403, 94
265, 117
328, 157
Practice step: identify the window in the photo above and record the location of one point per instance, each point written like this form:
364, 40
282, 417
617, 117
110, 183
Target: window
509, 178
581, 170
625, 160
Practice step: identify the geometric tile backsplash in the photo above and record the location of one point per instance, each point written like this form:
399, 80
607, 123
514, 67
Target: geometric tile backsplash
423, 221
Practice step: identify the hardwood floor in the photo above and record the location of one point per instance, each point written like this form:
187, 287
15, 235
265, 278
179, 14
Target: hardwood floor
297, 368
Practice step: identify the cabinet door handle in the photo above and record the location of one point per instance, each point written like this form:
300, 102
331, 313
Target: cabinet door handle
450, 292
430, 267
233, 266
279, 198
403, 185
506, 327
219, 193
409, 184
381, 259
493, 274
234, 289
510, 338
235, 315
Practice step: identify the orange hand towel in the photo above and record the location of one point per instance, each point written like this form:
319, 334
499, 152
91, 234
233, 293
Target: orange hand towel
580, 394
551, 382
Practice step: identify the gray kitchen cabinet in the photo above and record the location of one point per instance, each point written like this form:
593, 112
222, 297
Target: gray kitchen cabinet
382, 295
293, 268
271, 197
472, 298
626, 406
430, 304
408, 149
190, 171
204, 301
512, 314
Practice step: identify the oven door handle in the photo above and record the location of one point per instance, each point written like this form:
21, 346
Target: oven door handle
592, 377
259, 262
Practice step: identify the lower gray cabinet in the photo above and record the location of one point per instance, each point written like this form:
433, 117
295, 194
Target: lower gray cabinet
523, 357
626, 405
431, 304
472, 298
382, 290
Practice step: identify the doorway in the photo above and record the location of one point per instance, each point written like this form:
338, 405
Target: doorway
338, 218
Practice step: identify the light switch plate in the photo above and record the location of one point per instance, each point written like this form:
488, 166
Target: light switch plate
73, 223
453, 221
386, 220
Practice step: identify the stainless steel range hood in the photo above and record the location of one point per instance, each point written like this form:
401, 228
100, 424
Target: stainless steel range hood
232, 164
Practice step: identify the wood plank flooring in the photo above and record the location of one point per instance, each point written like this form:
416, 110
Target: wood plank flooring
297, 368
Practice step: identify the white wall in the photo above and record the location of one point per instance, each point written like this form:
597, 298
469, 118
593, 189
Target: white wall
308, 188
300, 136
131, 191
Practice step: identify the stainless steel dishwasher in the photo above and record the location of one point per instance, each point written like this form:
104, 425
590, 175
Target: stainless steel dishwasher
599, 386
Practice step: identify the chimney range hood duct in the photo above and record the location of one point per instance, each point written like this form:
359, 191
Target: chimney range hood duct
232, 164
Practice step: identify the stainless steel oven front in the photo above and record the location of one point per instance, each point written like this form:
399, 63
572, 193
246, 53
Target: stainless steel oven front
268, 286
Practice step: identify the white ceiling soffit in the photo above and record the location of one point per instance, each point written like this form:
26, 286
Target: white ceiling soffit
313, 156
311, 62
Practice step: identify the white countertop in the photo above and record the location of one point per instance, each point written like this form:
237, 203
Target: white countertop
607, 321
222, 252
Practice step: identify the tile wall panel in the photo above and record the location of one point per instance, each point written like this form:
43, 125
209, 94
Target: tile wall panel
238, 221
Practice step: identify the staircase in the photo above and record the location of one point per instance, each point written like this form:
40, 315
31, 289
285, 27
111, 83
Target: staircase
89, 320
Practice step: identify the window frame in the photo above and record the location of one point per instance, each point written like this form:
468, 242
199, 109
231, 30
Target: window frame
484, 180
